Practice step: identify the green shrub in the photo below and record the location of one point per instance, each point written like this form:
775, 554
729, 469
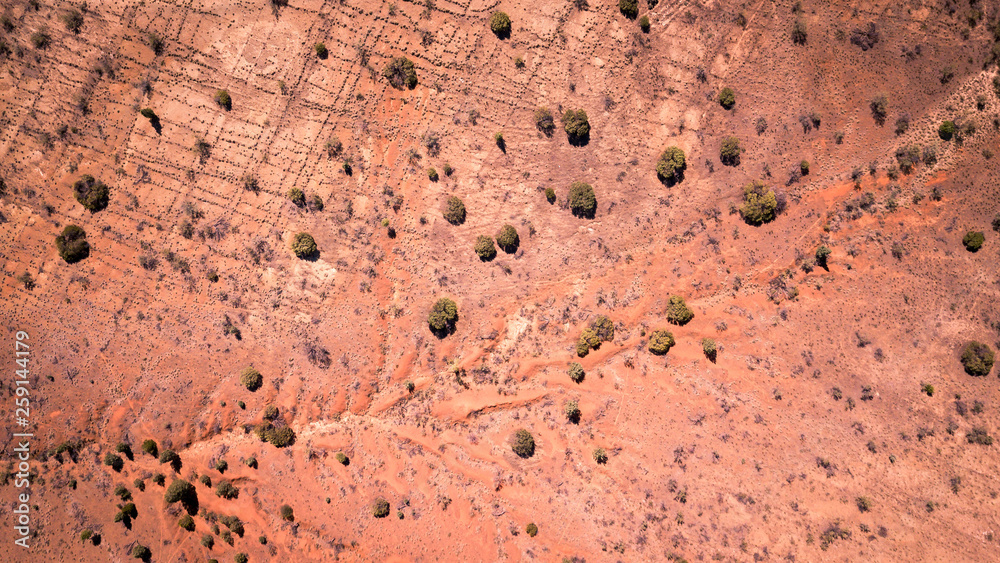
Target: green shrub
304, 246
499, 140
443, 316
342, 458
321, 51
600, 456
221, 466
72, 244
928, 389
629, 8
670, 168
644, 24
507, 239
879, 107
979, 435
485, 248
448, 170
544, 121
727, 98
432, 174
973, 240
804, 167
822, 255
240, 558
677, 311
864, 503
279, 437
171, 457
709, 348
186, 522
799, 33
141, 552
977, 358
604, 328
113, 461
287, 513
400, 73
576, 372
577, 126
660, 342
159, 479
207, 541
760, 205
572, 410
40, 39
946, 130
251, 462
251, 378
550, 195
155, 42
226, 490
588, 341
380, 508
500, 24
582, 201
86, 534
454, 213
524, 443
222, 98
180, 490
730, 151
125, 449
206, 480
149, 114
270, 412
296, 196
531, 529
73, 20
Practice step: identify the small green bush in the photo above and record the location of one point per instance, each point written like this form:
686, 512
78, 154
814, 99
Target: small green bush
270, 412
582, 201
72, 244
979, 435
443, 316
226, 490
670, 168
141, 552
864, 503
240, 558
222, 98
822, 255
507, 239
221, 466
524, 443
644, 24
588, 341
400, 73
629, 8
86, 534
727, 98
677, 311
279, 437
603, 328
180, 490
159, 479
600, 456
113, 461
760, 204
321, 51
287, 514
550, 195
973, 240
454, 213
186, 522
531, 529
296, 196
730, 151
485, 248
709, 348
544, 121
577, 126
879, 107
500, 24
206, 480
342, 458
977, 358
946, 130
928, 389
572, 410
660, 342
149, 114
304, 246
575, 372
380, 508
171, 457
804, 167
432, 174
251, 378
73, 20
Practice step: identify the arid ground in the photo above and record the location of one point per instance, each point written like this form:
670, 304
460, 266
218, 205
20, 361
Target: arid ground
835, 421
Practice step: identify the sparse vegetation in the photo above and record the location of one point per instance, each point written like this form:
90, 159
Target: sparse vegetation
287, 514
531, 529
629, 8
977, 358
380, 508
507, 239
400, 73
321, 51
575, 372
799, 32
223, 99
670, 168
72, 244
660, 342
443, 316
577, 126
879, 107
485, 248
729, 152
727, 98
544, 121
600, 456
678, 312
760, 204
582, 201
973, 240
500, 24
304, 246
710, 349
251, 378
946, 130
644, 24
524, 443
454, 212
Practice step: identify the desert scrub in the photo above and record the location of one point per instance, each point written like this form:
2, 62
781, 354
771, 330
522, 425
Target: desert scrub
727, 98
304, 246
296, 196
577, 126
544, 121
678, 312
823, 255
279, 437
629, 8
251, 378
531, 529
485, 248
400, 73
342, 458
864, 503
582, 201
507, 239
729, 152
710, 349
500, 24
226, 490
171, 457
380, 508
113, 461
973, 240
443, 315
523, 444
760, 204
550, 195
575, 372
946, 130
977, 358
141, 552
432, 174
72, 244
588, 341
670, 168
186, 522
604, 328
644, 24
180, 490
799, 33
92, 194
223, 100
287, 513
454, 211
660, 342
600, 456
321, 51
572, 410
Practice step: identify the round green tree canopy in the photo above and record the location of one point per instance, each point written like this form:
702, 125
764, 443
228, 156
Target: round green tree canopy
507, 239
485, 248
72, 244
660, 342
670, 168
500, 24
443, 315
760, 205
304, 246
977, 358
582, 200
